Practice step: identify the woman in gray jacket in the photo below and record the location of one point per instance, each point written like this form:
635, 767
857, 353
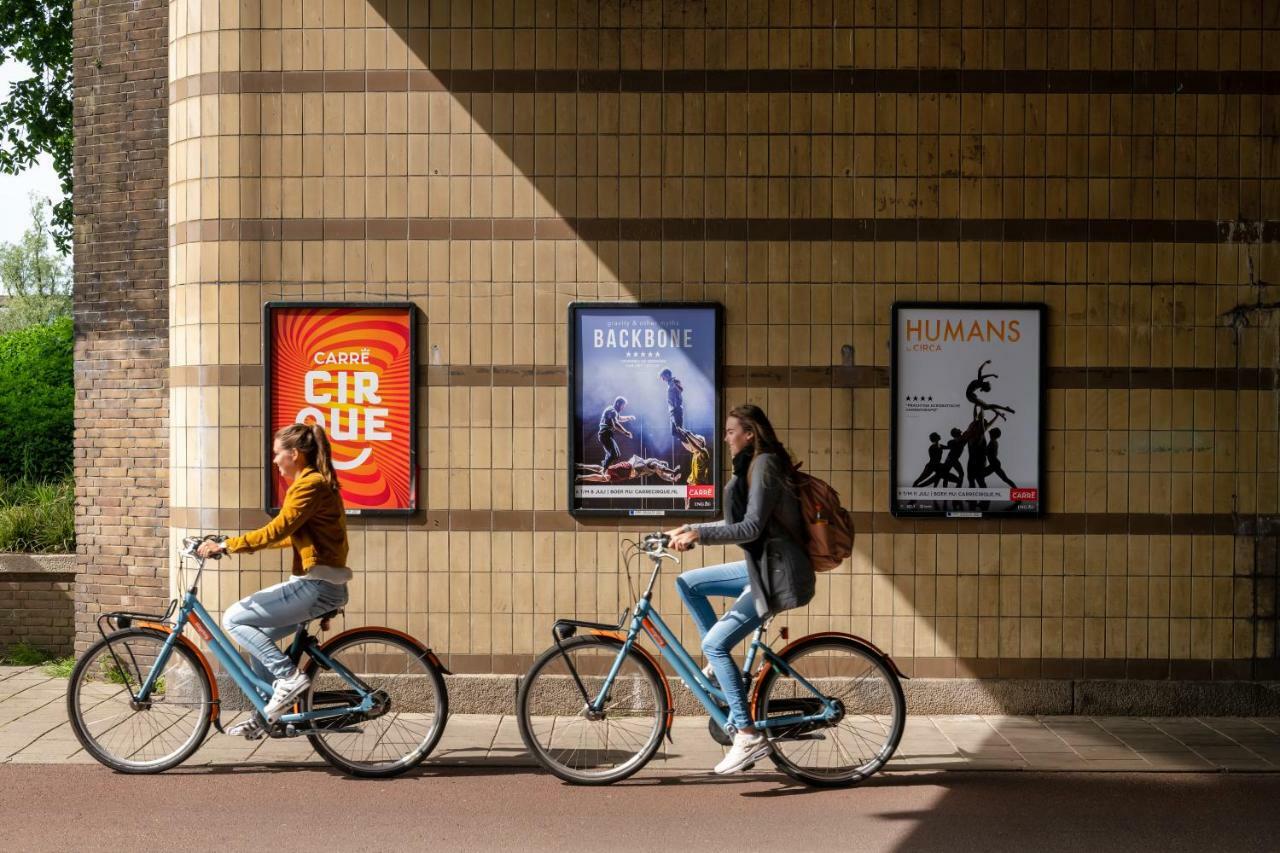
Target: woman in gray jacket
762, 514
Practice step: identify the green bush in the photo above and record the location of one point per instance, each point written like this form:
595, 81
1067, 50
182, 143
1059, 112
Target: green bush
37, 397
38, 517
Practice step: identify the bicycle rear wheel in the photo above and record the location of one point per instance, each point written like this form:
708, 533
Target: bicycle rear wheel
861, 739
412, 704
134, 737
584, 747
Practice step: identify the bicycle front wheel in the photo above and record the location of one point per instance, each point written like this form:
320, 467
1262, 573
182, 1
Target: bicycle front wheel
575, 743
131, 736
411, 704
864, 734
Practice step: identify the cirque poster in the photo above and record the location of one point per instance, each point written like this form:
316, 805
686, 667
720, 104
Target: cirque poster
967, 409
349, 367
644, 409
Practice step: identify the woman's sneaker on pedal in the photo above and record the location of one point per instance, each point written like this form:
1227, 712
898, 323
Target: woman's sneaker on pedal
747, 749
249, 729
284, 692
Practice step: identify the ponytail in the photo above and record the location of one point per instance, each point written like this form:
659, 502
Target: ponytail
313, 443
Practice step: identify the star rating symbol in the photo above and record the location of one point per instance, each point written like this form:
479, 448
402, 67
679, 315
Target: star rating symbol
917, 398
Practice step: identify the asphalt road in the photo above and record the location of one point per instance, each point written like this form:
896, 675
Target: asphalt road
264, 808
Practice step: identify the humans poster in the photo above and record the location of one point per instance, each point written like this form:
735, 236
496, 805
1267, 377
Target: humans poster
644, 409
967, 395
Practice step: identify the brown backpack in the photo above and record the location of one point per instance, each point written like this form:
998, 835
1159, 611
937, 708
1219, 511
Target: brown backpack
830, 525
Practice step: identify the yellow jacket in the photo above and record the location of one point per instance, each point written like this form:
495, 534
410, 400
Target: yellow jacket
313, 521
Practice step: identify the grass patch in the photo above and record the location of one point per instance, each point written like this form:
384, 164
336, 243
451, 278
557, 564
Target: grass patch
59, 667
38, 517
24, 654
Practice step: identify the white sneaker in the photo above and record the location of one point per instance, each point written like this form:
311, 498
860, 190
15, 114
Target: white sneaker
746, 750
285, 691
249, 729
710, 672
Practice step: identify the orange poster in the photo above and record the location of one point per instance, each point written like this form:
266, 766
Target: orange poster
350, 368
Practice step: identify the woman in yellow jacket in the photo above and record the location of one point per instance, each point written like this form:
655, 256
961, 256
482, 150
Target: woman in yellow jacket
312, 522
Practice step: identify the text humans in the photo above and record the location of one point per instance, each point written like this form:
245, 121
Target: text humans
312, 522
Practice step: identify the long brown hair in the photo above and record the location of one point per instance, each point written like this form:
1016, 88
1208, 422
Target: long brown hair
313, 443
764, 438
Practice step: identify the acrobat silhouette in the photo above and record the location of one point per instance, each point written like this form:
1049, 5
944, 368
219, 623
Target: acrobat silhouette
613, 421
950, 472
993, 459
976, 436
634, 468
933, 471
981, 384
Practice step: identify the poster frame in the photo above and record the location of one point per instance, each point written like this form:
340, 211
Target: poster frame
1042, 311
717, 385
268, 386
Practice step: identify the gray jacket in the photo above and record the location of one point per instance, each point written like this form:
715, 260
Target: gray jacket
778, 567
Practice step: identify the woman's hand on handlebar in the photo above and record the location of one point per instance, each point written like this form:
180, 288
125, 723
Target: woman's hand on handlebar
682, 538
210, 548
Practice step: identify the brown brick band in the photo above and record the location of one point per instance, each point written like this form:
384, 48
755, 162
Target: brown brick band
1054, 524
871, 81
740, 229
759, 376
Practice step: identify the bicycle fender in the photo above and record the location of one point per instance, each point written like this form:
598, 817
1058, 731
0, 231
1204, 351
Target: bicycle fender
430, 655
759, 679
215, 709
662, 676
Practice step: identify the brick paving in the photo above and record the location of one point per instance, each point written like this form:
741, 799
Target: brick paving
34, 730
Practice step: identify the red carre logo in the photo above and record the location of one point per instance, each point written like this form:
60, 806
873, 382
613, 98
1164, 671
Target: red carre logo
1024, 494
701, 491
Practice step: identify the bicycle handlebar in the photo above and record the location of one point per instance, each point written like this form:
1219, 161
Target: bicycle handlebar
191, 543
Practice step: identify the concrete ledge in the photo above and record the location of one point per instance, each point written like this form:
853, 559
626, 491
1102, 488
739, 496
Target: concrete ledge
496, 694
53, 567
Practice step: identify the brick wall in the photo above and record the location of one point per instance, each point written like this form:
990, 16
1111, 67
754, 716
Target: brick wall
121, 306
38, 607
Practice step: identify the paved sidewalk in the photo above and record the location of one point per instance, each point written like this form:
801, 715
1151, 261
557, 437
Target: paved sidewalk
34, 730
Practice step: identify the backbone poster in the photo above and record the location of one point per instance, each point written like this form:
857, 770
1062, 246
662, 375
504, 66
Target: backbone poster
644, 409
967, 391
350, 368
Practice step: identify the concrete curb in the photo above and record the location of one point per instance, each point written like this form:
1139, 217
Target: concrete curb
496, 694
37, 564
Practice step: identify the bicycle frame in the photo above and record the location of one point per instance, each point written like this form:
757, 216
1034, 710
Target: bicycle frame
257, 690
645, 617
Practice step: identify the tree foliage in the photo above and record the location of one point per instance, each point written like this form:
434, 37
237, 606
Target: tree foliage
36, 117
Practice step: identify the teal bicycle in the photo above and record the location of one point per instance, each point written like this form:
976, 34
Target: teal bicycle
595, 707
142, 699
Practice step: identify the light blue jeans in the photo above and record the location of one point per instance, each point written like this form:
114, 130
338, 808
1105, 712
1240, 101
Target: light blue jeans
270, 614
719, 636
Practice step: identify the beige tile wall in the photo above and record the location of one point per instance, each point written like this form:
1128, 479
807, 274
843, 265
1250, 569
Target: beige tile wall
1197, 451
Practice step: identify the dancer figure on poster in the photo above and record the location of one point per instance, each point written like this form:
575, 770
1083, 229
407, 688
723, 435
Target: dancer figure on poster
675, 401
612, 420
993, 458
976, 436
981, 384
700, 466
950, 472
634, 468
934, 470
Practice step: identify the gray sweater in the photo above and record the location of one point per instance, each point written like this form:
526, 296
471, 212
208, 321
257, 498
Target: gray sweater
779, 571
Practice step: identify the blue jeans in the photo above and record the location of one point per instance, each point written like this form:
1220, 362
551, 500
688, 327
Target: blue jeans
270, 614
719, 636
